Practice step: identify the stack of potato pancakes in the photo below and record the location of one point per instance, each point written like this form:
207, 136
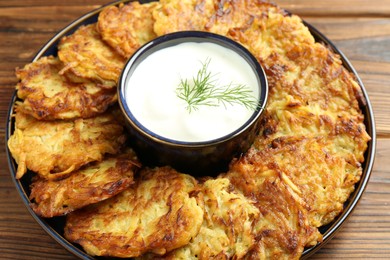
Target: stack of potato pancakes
302, 167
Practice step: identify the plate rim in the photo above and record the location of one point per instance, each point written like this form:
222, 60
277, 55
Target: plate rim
350, 204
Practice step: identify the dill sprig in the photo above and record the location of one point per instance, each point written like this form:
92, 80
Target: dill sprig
203, 91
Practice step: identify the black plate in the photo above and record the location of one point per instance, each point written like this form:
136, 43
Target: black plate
54, 226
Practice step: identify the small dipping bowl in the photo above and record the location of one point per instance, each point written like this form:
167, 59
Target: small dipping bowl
149, 97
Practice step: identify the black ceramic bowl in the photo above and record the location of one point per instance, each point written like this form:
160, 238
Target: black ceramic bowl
196, 157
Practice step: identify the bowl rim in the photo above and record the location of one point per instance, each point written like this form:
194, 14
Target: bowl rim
330, 231
173, 39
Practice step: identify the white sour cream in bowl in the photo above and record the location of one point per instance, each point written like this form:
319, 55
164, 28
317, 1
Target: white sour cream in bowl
192, 100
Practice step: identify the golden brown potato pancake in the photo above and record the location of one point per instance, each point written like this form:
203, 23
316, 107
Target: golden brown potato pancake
54, 149
86, 55
47, 95
272, 34
321, 177
282, 230
159, 213
227, 229
207, 15
231, 14
178, 15
90, 184
126, 27
301, 73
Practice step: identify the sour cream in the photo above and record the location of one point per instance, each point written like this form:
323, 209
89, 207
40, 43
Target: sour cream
151, 92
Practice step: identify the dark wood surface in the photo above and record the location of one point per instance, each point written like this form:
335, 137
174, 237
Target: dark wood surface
360, 28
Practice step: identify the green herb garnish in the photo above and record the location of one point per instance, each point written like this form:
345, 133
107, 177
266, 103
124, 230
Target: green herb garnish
202, 90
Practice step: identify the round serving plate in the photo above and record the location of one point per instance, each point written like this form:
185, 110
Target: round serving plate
54, 226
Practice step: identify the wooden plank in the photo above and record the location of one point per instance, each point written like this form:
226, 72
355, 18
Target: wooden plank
307, 7
14, 3
13, 20
346, 28
337, 8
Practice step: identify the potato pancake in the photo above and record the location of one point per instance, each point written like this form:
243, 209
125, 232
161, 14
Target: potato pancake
301, 73
227, 229
282, 229
126, 27
92, 183
229, 15
159, 213
319, 98
54, 149
207, 15
272, 35
322, 178
178, 15
47, 95
86, 55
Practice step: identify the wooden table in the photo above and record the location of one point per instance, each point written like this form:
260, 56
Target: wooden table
361, 29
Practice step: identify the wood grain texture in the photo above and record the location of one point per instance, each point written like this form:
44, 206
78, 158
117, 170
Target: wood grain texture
361, 29
337, 8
